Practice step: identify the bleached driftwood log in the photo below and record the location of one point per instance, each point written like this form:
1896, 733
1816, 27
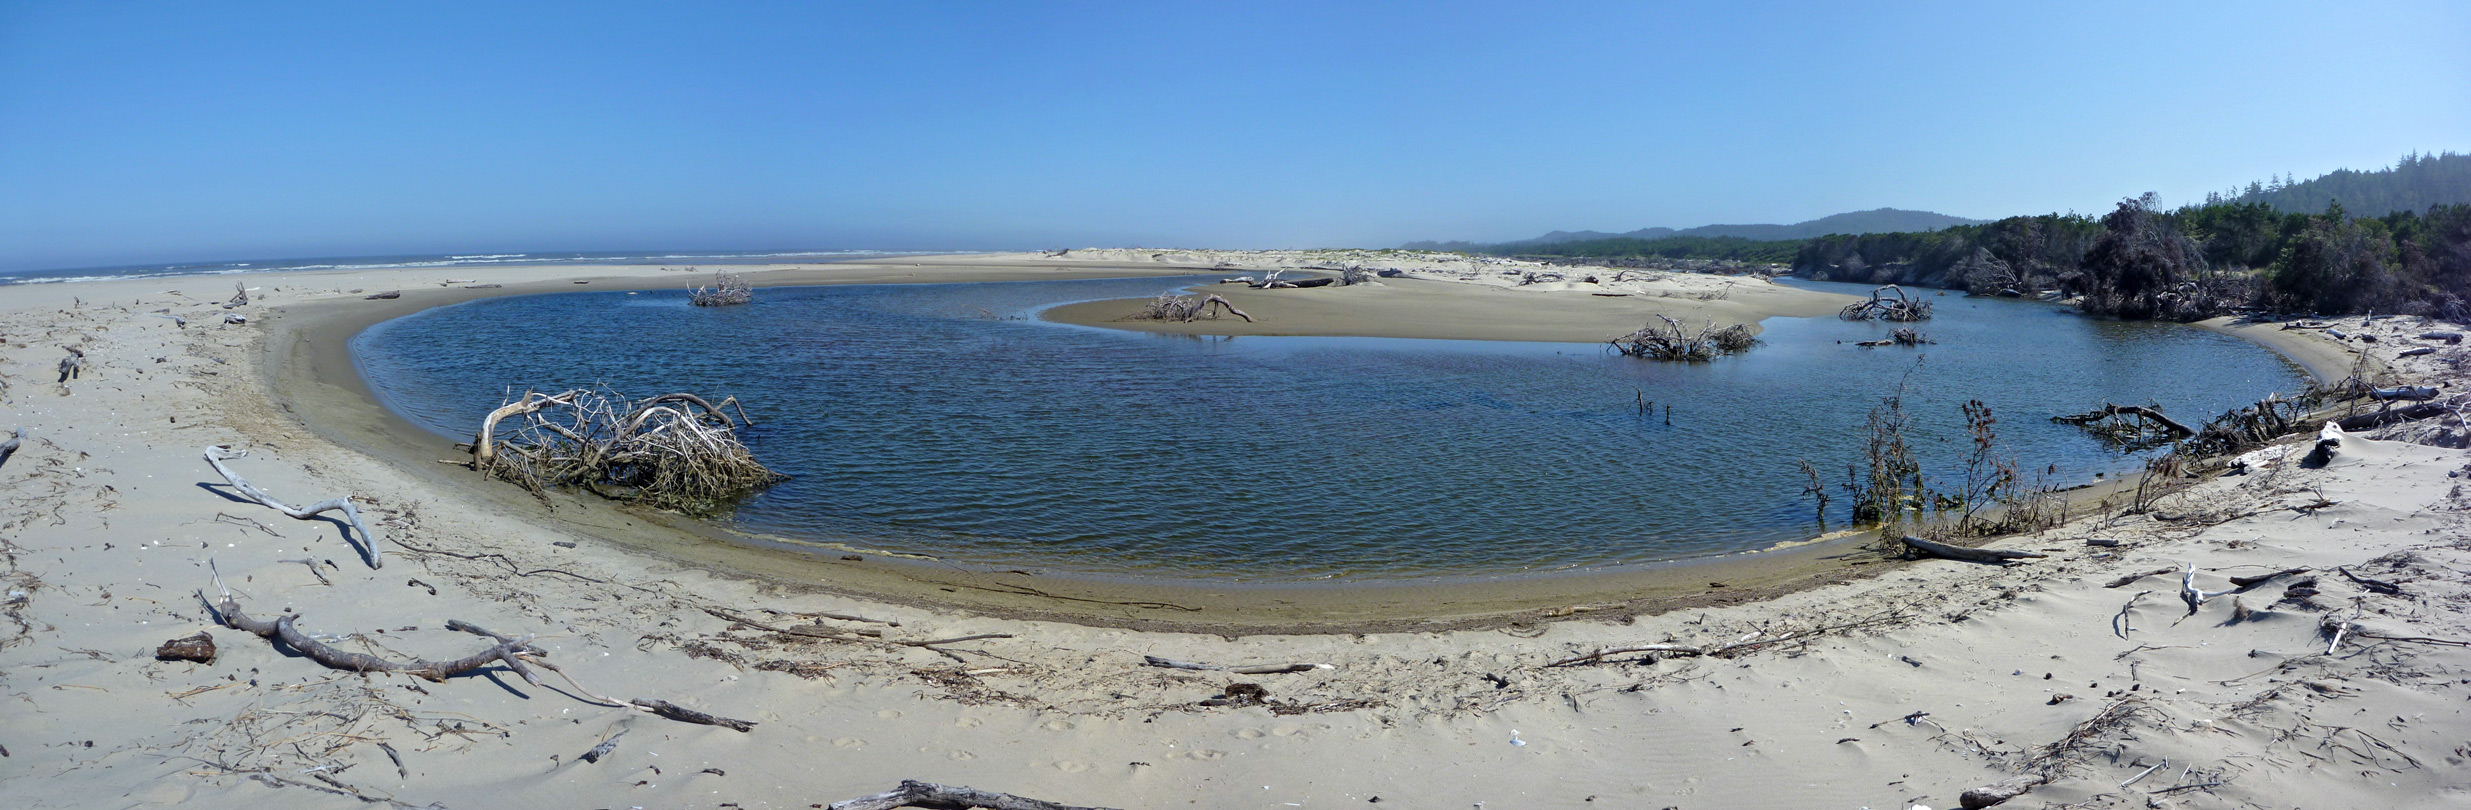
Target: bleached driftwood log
913, 793
215, 455
1254, 669
1989, 555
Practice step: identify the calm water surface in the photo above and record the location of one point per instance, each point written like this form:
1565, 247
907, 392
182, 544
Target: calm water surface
943, 420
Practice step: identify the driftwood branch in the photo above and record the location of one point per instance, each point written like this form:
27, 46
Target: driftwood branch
1599, 655
913, 793
2109, 410
286, 630
1254, 669
9, 448
368, 542
1989, 555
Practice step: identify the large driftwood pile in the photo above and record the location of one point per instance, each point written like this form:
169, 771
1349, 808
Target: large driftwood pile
1673, 341
1889, 303
728, 289
1186, 308
674, 451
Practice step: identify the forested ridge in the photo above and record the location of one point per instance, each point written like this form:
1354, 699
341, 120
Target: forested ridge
2395, 240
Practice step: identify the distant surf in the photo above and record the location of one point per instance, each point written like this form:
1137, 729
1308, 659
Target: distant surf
420, 261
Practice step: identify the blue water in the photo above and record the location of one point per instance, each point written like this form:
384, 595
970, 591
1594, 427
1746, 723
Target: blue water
939, 420
480, 262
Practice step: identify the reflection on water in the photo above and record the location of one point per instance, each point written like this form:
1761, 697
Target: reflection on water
930, 419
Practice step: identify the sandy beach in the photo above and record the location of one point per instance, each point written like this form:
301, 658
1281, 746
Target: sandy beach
1814, 678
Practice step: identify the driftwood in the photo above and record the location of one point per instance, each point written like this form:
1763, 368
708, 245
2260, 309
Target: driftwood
1889, 303
674, 451
1599, 655
2107, 410
1256, 669
72, 365
603, 749
1989, 555
2249, 582
728, 289
2412, 393
685, 715
285, 629
388, 295
2190, 594
9, 448
240, 296
1673, 341
368, 542
913, 793
2329, 444
2423, 350
2000, 791
2389, 415
198, 648
1186, 308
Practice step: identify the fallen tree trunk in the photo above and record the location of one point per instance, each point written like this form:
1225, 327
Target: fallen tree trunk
369, 542
913, 793
1989, 555
2414, 393
2387, 416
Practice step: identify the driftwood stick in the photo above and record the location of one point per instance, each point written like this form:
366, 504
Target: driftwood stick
2130, 579
913, 793
685, 715
369, 542
2373, 585
1988, 555
1600, 655
2190, 594
603, 749
2249, 582
1254, 669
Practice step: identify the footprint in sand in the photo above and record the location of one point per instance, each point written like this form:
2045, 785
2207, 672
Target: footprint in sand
1057, 725
1072, 767
889, 714
849, 743
960, 756
1249, 733
1207, 753
968, 722
1293, 730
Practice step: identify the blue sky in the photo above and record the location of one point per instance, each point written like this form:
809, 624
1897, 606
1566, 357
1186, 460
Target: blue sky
139, 133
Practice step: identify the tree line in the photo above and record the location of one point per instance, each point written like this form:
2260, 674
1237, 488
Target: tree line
2140, 261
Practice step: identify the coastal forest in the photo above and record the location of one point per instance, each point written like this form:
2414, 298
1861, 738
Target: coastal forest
2391, 241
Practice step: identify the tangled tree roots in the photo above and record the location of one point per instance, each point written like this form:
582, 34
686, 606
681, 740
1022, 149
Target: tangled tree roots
727, 289
1673, 341
1889, 303
673, 451
1186, 308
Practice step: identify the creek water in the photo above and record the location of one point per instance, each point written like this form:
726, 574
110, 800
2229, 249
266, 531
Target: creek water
946, 420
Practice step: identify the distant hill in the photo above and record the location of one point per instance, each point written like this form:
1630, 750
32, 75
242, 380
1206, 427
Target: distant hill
1884, 220
2412, 184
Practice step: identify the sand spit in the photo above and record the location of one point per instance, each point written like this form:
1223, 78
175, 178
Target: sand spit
1904, 687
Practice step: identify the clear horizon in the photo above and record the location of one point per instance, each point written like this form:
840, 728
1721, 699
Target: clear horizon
168, 134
